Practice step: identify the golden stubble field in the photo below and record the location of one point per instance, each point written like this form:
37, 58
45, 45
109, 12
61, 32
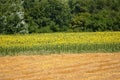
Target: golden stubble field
89, 66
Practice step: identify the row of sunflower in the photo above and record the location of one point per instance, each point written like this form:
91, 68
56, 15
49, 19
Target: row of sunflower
51, 39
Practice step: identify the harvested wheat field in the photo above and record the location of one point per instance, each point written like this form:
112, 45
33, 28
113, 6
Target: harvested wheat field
89, 66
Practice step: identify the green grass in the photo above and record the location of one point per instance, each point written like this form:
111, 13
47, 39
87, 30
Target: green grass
75, 48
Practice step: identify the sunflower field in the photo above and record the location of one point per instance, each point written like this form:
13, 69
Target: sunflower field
46, 43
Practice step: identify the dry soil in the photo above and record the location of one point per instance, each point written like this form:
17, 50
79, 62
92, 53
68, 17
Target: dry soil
87, 66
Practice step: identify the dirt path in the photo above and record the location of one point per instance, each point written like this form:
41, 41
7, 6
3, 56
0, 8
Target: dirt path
97, 66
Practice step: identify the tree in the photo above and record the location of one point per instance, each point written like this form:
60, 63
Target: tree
53, 15
12, 17
38, 16
102, 15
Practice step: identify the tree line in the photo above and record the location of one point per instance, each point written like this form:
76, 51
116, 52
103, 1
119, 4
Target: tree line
39, 16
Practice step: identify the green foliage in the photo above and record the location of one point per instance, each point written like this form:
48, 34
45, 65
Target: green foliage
36, 16
51, 49
59, 43
81, 21
47, 14
12, 17
95, 15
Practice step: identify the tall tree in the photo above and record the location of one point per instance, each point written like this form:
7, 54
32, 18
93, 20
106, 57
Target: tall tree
47, 15
12, 17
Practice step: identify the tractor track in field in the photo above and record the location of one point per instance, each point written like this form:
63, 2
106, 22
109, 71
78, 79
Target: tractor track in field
88, 66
